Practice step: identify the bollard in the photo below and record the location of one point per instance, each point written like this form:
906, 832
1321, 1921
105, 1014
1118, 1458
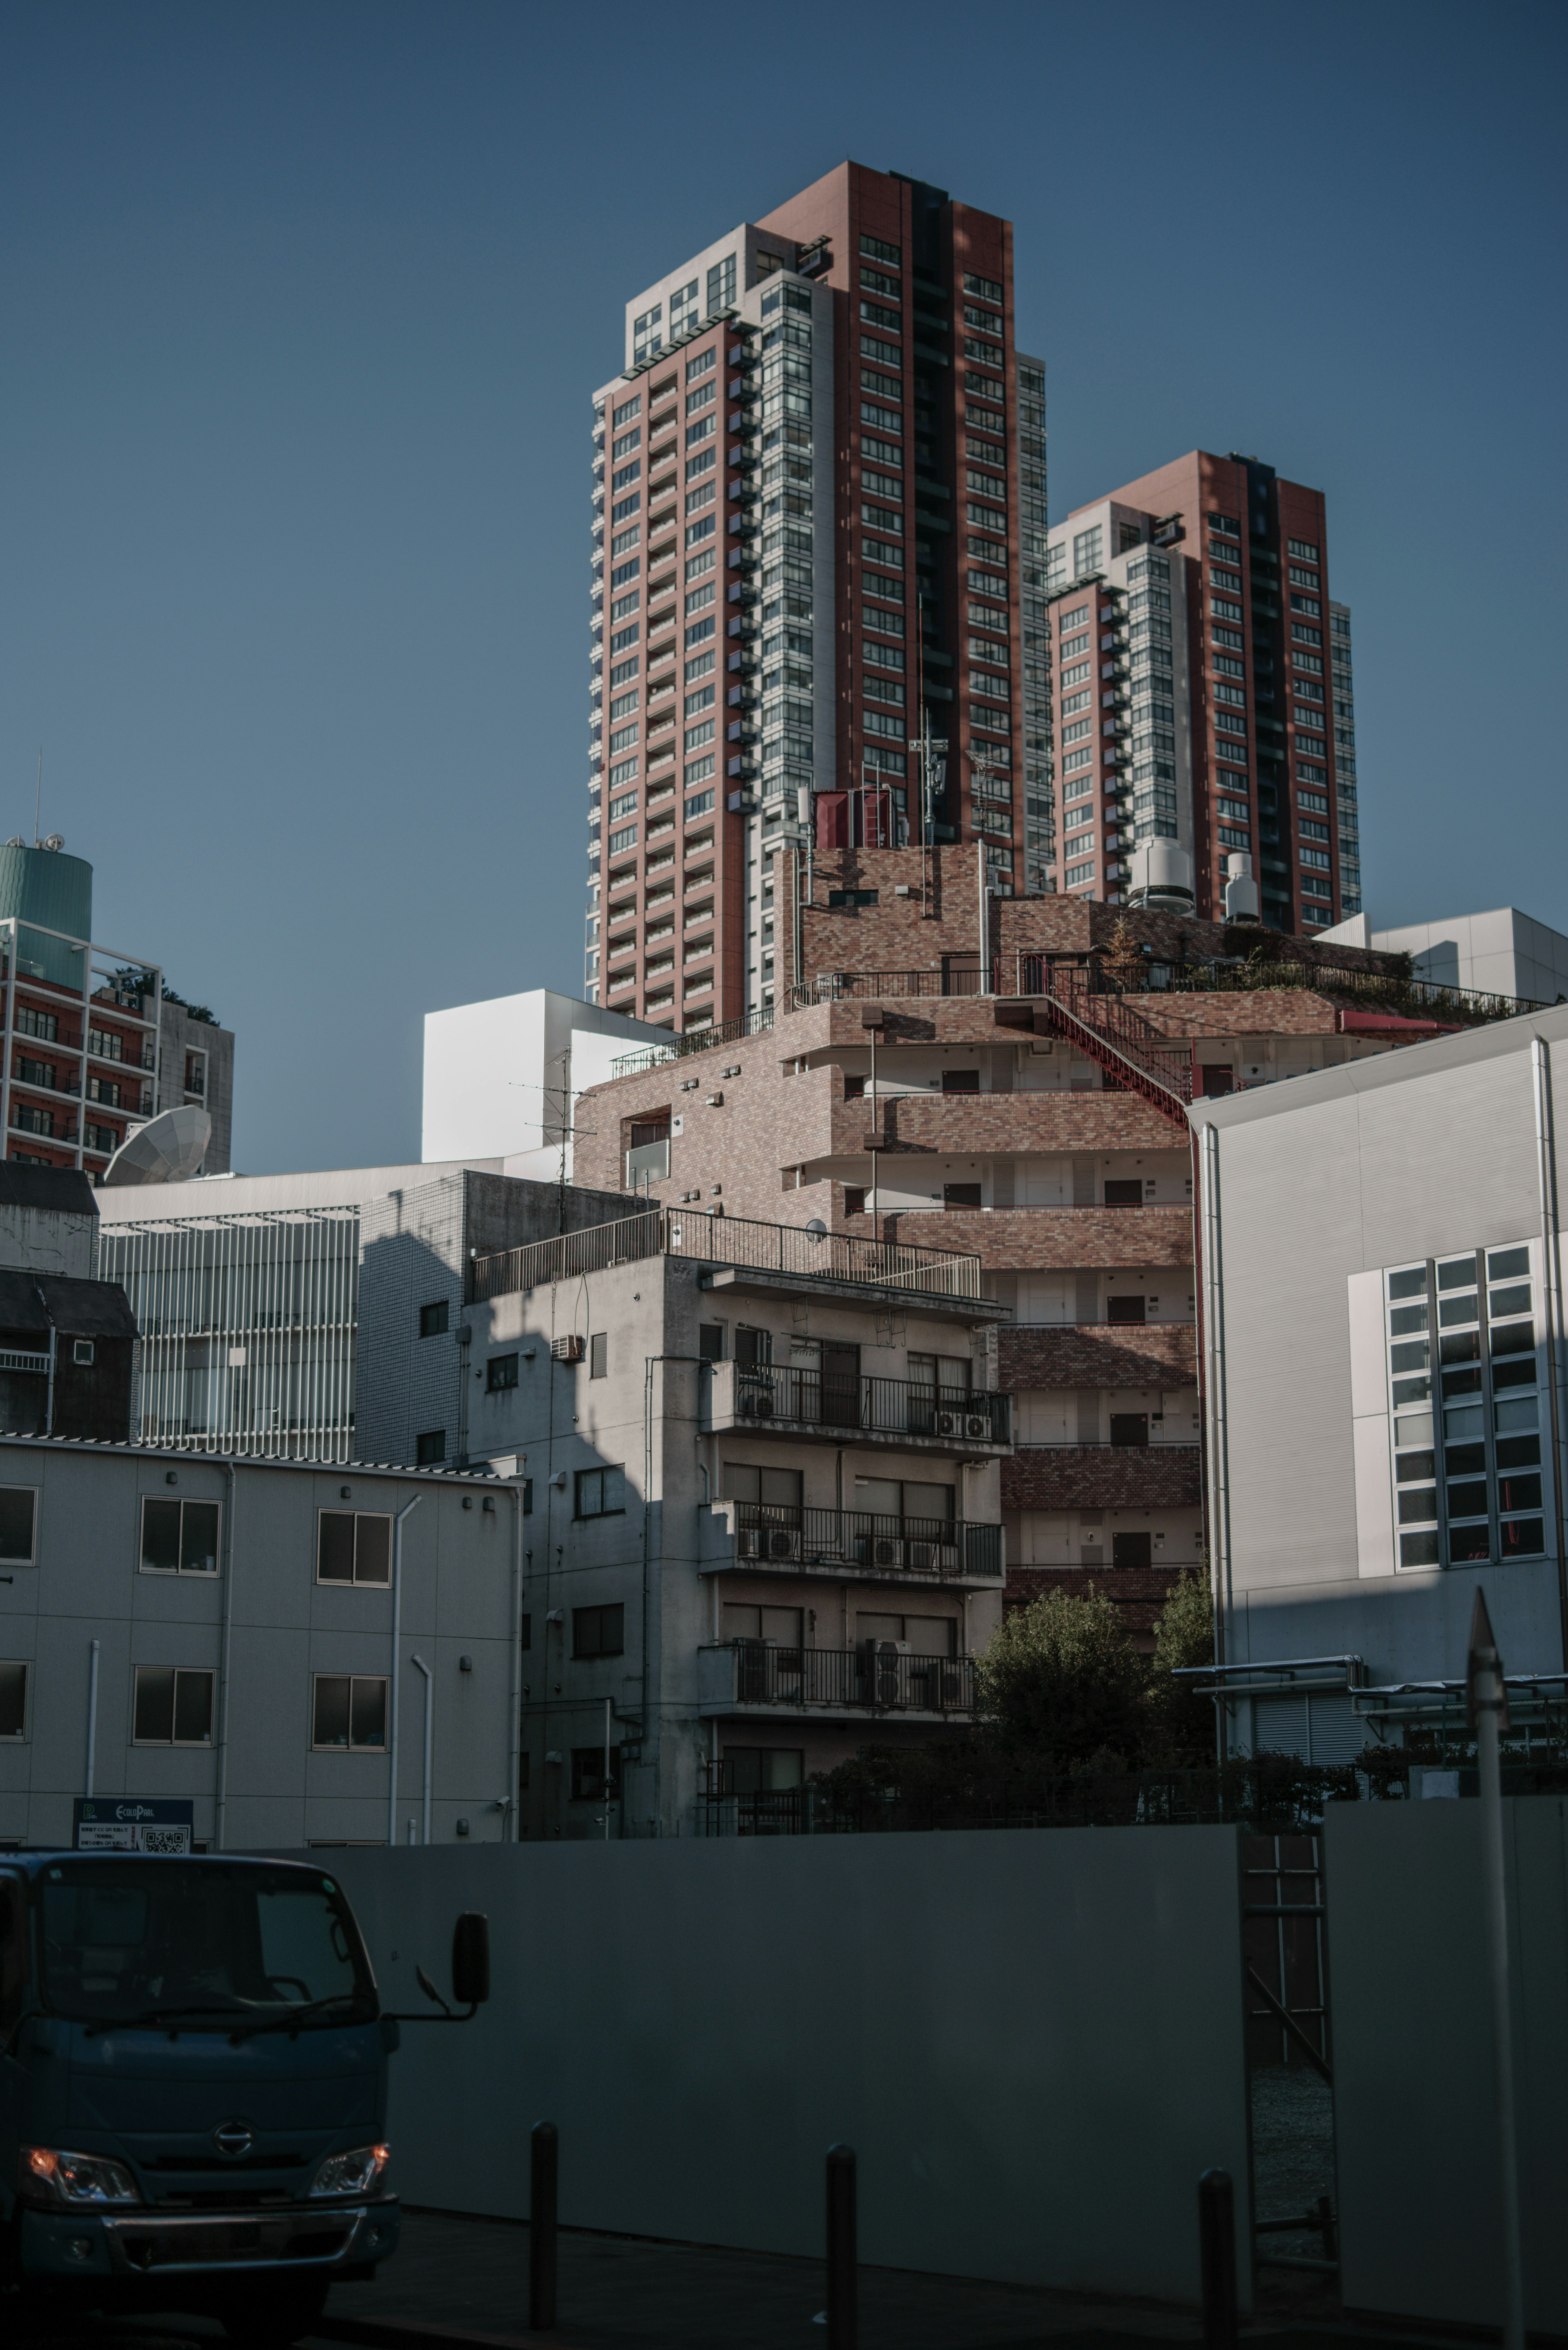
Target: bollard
1217, 2256
543, 2167
841, 2252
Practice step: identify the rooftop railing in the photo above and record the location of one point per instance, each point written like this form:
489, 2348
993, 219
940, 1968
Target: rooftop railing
727, 1241
695, 1040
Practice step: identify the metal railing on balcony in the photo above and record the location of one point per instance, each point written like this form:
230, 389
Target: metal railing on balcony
879, 1675
950, 978
870, 1540
824, 1399
729, 1241
696, 1040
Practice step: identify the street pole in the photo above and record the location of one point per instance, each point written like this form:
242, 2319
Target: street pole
1487, 1699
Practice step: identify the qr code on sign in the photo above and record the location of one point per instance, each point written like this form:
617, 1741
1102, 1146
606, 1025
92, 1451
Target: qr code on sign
165, 1840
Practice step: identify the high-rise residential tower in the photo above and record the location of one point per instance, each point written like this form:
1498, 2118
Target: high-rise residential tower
818, 549
1202, 689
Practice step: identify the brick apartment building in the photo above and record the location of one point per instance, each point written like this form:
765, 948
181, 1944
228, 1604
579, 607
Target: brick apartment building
1040, 1127
824, 466
1203, 688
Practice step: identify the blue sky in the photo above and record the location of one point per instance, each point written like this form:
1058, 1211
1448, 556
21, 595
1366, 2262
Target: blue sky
303, 304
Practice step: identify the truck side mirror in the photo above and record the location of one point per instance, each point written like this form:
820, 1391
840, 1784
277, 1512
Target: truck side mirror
470, 1959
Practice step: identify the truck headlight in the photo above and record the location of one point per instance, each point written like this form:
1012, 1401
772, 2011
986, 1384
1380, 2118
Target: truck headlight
352, 2174
52, 2175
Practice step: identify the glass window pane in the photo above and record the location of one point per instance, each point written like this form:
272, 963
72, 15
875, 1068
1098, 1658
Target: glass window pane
1415, 1429
1411, 1391
783, 1766
1507, 1265
781, 1488
1524, 1537
155, 1716
331, 1724
1413, 1356
1456, 1310
1518, 1493
13, 1700
1467, 1501
1469, 1544
1412, 1284
739, 1482
1503, 1302
1518, 1371
929, 1636
192, 1708
1466, 1459
1519, 1412
615, 1490
368, 1723
1406, 1318
17, 1524
740, 1622
884, 1495
199, 1538
1517, 1452
1411, 1466
372, 1548
161, 1536
1459, 1275
1514, 1338
1418, 1503
782, 1626
878, 1628
1467, 1419
928, 1501
1418, 1550
743, 1770
335, 1546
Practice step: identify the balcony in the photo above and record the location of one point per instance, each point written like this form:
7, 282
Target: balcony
1099, 1355
807, 1403
850, 1546
1103, 1476
1047, 1119
1042, 1238
874, 1679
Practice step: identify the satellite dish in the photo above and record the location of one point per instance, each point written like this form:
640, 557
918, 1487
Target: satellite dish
817, 1230
168, 1150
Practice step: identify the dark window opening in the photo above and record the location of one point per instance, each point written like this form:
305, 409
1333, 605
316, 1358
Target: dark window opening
500, 1372
433, 1319
430, 1450
599, 1631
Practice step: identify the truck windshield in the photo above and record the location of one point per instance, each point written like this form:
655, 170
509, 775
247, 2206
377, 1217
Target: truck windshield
142, 1940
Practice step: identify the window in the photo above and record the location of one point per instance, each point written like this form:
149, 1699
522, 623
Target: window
722, 286
711, 1341
769, 1489
986, 287
598, 1355
179, 1538
599, 1631
499, 1373
1309, 604
354, 1547
601, 1493
960, 1081
13, 1700
854, 1200
433, 1320
348, 1712
1088, 551
588, 1775
761, 1769
1301, 546
18, 1508
876, 248
704, 364
430, 1450
172, 1707
962, 1195
701, 630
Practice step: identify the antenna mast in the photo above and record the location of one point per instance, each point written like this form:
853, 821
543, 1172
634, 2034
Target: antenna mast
38, 801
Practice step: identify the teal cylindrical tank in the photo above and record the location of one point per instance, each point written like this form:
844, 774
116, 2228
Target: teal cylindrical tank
47, 887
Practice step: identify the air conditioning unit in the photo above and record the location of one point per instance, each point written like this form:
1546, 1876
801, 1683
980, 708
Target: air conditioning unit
756, 1403
886, 1678
950, 1423
568, 1350
887, 1550
923, 1557
750, 1543
784, 1542
977, 1423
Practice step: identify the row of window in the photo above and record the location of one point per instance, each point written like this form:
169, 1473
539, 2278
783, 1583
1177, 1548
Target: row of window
181, 1537
174, 1705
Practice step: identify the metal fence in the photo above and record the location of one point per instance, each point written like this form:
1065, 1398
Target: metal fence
778, 1534
695, 1040
724, 1240
888, 1406
247, 1329
874, 1674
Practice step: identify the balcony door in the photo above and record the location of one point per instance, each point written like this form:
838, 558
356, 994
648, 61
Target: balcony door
840, 1384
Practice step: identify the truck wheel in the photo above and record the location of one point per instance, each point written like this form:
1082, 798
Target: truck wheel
274, 2320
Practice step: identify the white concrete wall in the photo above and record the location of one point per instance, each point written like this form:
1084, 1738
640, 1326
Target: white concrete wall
1032, 2095
493, 1081
1503, 951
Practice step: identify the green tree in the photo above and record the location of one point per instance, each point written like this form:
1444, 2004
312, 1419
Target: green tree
1062, 1678
1183, 1721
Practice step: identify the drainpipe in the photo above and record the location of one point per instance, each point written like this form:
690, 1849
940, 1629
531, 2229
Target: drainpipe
425, 1782
514, 1792
49, 1398
396, 1631
224, 1681
1552, 1267
92, 1717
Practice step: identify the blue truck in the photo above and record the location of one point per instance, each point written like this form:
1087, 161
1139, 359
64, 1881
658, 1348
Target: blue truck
193, 2088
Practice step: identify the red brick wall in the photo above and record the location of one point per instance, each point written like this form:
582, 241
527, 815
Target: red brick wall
1103, 1477
1099, 1355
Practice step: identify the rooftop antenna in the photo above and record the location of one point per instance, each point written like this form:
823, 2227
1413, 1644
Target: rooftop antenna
39, 800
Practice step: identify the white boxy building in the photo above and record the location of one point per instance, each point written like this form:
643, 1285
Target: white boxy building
258, 1637
1382, 1324
765, 1522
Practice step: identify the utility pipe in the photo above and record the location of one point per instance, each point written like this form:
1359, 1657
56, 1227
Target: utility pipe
396, 1633
92, 1717
225, 1682
425, 1781
514, 1791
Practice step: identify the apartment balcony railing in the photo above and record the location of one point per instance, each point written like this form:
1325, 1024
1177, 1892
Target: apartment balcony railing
877, 1678
868, 1545
1103, 1476
726, 1240
815, 1401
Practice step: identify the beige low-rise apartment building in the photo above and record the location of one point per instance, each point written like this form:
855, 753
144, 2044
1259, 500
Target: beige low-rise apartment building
765, 1505
1021, 1095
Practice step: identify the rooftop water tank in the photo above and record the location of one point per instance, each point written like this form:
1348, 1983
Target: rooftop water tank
47, 887
1162, 878
1240, 890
